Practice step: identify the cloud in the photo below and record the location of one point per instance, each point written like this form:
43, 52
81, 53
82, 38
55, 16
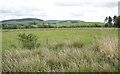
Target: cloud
86, 10
67, 4
75, 14
106, 4
22, 12
87, 3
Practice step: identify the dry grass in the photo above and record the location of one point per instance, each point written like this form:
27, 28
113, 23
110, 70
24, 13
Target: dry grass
98, 57
67, 43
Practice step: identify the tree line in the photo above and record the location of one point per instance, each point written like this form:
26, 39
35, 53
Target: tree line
112, 21
109, 22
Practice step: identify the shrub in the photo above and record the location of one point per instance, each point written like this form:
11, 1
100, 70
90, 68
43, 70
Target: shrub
28, 41
97, 25
106, 25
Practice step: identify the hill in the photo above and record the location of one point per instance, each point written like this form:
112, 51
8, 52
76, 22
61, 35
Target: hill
38, 21
22, 21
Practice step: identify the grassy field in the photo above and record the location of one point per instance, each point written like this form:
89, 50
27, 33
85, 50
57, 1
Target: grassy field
71, 25
81, 24
78, 50
54, 25
10, 36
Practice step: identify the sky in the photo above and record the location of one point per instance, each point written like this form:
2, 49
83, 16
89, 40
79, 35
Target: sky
85, 10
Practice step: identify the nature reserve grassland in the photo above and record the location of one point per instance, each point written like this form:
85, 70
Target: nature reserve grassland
62, 50
10, 37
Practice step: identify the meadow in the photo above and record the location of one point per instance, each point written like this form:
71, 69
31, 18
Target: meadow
77, 25
52, 25
62, 50
10, 37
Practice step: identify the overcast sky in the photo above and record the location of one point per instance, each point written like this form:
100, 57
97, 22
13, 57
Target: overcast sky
86, 10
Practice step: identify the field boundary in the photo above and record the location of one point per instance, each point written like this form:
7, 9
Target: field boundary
60, 29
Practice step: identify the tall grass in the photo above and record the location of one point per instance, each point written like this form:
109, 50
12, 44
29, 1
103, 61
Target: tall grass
101, 57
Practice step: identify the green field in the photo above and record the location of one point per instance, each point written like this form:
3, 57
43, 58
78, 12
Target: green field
53, 25
85, 35
81, 24
62, 50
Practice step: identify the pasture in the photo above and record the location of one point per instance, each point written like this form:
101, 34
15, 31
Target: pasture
78, 25
9, 37
98, 50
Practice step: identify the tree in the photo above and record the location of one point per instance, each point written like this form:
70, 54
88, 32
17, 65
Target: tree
34, 23
118, 22
110, 21
115, 20
106, 19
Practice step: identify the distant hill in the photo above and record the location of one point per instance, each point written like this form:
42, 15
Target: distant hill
38, 21
22, 21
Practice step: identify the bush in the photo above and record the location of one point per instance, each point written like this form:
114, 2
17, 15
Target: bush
9, 26
106, 25
28, 41
97, 25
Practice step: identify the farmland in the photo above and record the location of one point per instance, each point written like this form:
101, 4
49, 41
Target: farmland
62, 50
59, 36
86, 35
53, 24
